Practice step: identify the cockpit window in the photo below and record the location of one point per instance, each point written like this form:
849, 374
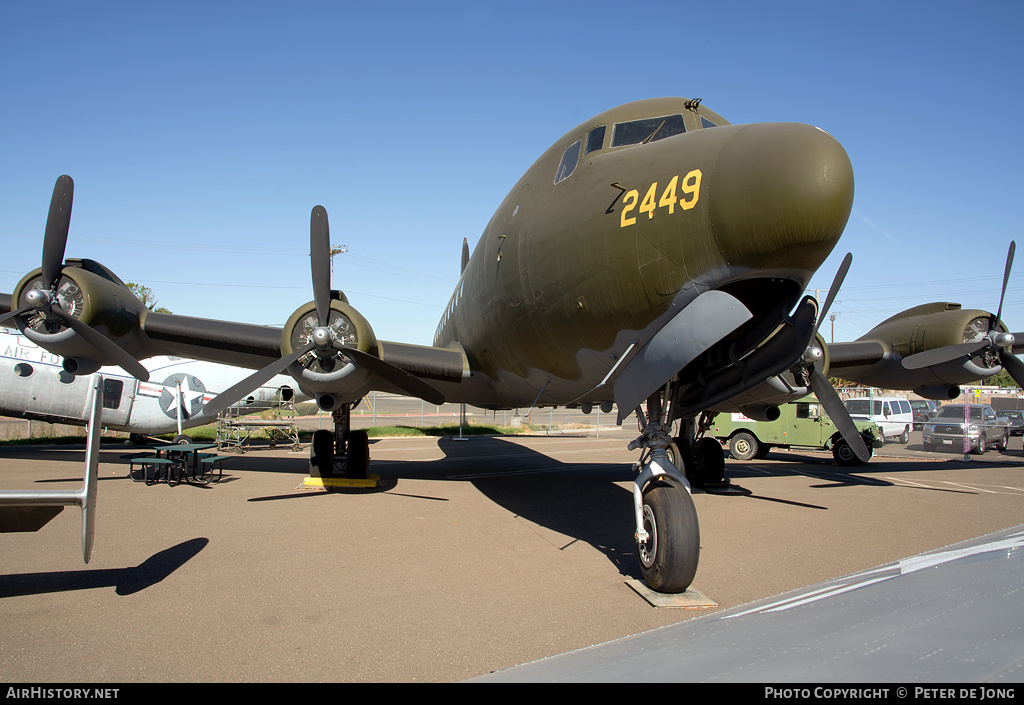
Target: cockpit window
647, 130
704, 122
595, 139
569, 161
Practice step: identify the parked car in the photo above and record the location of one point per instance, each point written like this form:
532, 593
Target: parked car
925, 409
892, 414
984, 428
802, 424
1014, 419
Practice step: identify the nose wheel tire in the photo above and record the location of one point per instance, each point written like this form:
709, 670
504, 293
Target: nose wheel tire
669, 556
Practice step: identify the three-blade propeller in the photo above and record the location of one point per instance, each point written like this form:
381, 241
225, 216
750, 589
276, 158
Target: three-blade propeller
323, 340
993, 340
823, 389
45, 301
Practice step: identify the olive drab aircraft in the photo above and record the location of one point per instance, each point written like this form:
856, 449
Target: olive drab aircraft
35, 385
653, 259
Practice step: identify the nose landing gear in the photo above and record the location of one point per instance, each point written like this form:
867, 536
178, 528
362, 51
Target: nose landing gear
667, 531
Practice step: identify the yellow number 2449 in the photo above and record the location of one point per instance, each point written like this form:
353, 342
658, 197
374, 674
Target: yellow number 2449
668, 199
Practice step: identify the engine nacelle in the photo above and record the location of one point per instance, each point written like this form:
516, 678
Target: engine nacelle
327, 372
936, 325
94, 295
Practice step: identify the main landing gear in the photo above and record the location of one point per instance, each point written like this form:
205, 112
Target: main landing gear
667, 533
340, 458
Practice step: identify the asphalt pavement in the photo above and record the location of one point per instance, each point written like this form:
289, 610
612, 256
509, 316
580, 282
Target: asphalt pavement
470, 557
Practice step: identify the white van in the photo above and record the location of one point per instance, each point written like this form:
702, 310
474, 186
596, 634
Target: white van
892, 414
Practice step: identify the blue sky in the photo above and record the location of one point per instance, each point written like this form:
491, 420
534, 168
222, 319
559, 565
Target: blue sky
200, 135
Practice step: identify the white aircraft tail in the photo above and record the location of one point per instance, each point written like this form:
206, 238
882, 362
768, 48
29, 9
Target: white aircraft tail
30, 510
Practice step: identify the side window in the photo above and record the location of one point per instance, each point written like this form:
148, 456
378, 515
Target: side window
569, 161
803, 411
905, 406
595, 139
112, 389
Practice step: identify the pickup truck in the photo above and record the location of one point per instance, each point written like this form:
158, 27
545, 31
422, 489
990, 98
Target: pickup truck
984, 428
801, 424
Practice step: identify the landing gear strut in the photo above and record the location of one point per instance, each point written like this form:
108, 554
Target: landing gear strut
343, 453
667, 532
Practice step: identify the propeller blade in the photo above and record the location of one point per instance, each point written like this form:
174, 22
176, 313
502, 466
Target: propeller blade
104, 346
58, 222
11, 314
257, 379
836, 411
837, 283
405, 381
1012, 364
320, 262
1006, 278
938, 356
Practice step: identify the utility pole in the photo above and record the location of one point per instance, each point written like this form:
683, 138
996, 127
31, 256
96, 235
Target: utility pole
336, 250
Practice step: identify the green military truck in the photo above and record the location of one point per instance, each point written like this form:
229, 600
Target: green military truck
801, 424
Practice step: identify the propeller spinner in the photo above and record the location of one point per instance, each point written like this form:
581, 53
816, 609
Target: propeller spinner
820, 385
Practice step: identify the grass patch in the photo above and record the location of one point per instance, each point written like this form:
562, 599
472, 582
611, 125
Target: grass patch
208, 434
59, 441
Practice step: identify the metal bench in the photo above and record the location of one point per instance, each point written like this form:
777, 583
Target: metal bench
152, 469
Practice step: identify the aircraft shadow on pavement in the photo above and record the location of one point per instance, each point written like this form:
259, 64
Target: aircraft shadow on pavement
578, 501
125, 581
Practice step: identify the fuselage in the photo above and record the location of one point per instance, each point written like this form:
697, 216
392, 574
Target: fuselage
622, 223
34, 385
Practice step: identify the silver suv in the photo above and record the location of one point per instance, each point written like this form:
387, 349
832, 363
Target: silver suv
984, 428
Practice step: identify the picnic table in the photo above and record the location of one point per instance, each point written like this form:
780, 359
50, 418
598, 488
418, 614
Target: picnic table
175, 462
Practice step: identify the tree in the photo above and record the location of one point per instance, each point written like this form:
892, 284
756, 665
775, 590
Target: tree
145, 295
1000, 379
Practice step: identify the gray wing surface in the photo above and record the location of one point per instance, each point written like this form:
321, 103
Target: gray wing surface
951, 615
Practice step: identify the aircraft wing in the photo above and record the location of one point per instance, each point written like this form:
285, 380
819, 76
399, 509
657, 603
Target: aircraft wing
258, 347
842, 357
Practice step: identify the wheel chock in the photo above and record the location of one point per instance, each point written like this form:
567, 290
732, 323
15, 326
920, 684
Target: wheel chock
327, 483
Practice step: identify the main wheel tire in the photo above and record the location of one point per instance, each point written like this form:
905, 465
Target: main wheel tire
357, 462
707, 454
321, 454
743, 446
669, 556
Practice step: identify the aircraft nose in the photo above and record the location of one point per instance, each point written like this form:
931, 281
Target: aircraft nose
780, 197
